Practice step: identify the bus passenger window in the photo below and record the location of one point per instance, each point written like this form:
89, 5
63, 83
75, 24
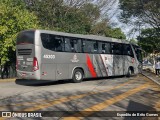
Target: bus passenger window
108, 48
78, 45
95, 45
58, 41
127, 50
117, 48
72, 46
47, 41
103, 48
99, 47
67, 45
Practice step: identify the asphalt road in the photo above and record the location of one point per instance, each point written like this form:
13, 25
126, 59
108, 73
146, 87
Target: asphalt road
84, 99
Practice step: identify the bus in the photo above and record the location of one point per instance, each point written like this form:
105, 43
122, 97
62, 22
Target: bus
52, 55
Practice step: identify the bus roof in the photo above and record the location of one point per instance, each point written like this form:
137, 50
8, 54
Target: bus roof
94, 37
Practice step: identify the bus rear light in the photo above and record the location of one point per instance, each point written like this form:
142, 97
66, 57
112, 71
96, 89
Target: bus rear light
35, 64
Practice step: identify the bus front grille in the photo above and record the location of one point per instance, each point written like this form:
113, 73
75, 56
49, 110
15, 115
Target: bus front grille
24, 51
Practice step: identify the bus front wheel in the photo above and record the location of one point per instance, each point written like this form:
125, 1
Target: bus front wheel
129, 73
77, 76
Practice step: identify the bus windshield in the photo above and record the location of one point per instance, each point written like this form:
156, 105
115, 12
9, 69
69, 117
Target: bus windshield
26, 37
138, 53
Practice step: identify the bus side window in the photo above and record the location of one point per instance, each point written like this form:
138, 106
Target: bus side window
59, 44
87, 47
77, 45
116, 48
68, 45
108, 48
100, 47
95, 45
103, 48
48, 41
127, 50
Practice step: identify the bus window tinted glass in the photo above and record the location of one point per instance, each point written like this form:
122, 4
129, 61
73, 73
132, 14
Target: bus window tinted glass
77, 45
68, 47
117, 49
88, 46
52, 42
72, 45
138, 53
127, 50
104, 47
26, 37
59, 43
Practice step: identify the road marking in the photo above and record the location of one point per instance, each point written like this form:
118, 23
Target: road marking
157, 106
66, 99
108, 102
89, 93
7, 80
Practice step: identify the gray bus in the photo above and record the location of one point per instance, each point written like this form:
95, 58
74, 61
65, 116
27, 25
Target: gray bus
51, 55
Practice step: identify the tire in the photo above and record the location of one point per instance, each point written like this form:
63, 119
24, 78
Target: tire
129, 73
77, 76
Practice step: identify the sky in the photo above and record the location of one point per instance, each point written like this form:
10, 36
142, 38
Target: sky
113, 15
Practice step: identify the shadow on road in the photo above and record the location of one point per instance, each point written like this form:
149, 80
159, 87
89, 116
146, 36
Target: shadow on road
39, 82
31, 82
140, 111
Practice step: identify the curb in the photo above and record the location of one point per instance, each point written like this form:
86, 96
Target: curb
7, 80
151, 79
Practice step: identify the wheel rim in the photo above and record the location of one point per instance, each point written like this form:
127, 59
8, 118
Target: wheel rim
78, 75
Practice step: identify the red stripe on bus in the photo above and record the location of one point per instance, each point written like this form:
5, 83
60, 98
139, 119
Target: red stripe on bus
91, 67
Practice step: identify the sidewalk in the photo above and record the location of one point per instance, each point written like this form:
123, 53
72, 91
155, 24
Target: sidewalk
152, 76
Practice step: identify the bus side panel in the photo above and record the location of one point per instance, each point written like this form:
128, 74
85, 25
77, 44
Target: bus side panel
62, 60
48, 66
128, 62
78, 60
118, 65
48, 71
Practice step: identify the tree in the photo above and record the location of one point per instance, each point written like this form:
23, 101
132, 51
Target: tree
60, 16
133, 41
115, 33
149, 40
146, 11
13, 19
101, 28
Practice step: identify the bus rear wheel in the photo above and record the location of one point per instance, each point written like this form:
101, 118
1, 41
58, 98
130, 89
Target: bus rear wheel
77, 76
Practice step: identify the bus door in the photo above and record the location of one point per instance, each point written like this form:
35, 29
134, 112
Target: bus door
118, 59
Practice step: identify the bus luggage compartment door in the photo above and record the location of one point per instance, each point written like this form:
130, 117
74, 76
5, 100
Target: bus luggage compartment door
48, 71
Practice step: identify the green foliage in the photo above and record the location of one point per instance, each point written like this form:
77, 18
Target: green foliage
115, 33
147, 11
150, 40
61, 17
133, 41
13, 19
101, 28
69, 18
82, 17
